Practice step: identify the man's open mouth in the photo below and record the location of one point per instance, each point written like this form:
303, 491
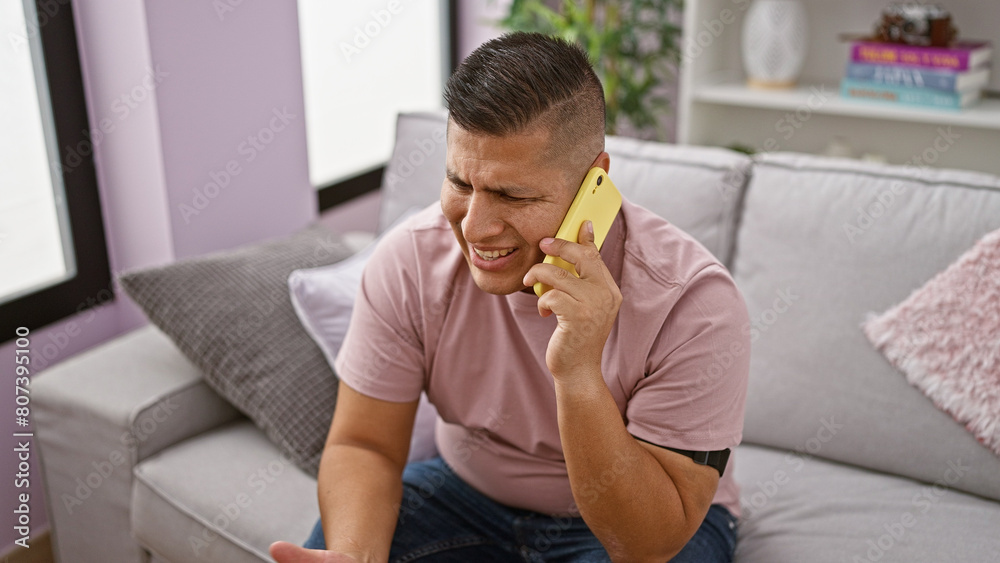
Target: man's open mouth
490, 255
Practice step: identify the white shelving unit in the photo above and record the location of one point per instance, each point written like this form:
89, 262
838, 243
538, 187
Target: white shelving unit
717, 108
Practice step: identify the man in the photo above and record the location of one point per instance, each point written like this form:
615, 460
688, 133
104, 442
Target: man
591, 424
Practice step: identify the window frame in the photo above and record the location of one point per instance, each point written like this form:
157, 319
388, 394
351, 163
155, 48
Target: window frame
91, 286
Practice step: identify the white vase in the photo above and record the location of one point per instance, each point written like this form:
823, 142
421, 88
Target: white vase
774, 43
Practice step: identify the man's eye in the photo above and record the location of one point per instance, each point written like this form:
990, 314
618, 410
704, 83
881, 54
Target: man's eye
514, 199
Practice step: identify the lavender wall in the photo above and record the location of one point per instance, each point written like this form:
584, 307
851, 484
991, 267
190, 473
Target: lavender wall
232, 121
184, 87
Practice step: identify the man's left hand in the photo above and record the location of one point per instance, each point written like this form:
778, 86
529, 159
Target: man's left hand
585, 307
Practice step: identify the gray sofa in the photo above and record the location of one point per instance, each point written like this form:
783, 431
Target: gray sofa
842, 459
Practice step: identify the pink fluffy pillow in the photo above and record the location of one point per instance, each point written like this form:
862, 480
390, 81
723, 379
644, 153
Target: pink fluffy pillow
945, 337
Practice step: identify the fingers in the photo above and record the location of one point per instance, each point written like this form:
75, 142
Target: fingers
577, 253
582, 256
552, 302
284, 552
572, 252
586, 235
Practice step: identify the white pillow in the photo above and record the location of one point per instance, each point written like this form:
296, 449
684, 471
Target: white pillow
323, 299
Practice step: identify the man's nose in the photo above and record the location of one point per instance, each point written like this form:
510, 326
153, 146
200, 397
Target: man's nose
482, 219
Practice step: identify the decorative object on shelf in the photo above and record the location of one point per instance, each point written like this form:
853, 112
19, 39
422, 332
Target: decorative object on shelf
935, 77
907, 95
774, 43
961, 56
635, 46
917, 77
913, 59
928, 25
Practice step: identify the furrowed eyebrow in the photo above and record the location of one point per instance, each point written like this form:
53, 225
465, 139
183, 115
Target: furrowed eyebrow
512, 191
454, 179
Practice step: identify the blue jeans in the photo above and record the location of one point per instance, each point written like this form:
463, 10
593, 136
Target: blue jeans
442, 518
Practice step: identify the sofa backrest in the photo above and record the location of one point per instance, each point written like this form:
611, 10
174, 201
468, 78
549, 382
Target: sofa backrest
821, 244
416, 169
812, 262
698, 189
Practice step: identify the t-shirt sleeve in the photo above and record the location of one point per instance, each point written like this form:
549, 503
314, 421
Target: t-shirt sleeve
382, 355
694, 393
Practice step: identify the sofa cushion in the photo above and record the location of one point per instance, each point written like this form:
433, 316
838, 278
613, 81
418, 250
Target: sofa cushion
223, 496
323, 299
697, 188
824, 242
799, 508
946, 338
230, 314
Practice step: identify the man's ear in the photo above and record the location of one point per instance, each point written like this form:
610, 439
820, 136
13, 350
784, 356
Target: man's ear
602, 161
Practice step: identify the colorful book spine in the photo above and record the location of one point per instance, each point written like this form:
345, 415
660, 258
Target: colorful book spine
903, 95
917, 77
961, 56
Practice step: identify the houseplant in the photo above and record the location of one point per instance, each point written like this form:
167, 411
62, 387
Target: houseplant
635, 46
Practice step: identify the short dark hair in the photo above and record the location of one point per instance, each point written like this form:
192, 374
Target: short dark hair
518, 80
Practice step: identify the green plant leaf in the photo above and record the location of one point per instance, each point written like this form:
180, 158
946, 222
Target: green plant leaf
635, 46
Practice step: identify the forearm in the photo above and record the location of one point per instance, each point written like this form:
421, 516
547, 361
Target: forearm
359, 495
619, 487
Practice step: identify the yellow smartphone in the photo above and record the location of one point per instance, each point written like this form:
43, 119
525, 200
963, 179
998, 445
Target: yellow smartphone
598, 201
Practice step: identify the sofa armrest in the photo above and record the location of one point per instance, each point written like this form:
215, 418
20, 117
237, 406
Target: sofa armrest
97, 416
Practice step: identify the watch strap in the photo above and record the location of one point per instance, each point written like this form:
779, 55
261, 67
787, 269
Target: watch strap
717, 459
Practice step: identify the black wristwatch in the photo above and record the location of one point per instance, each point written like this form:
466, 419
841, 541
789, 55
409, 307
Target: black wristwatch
717, 459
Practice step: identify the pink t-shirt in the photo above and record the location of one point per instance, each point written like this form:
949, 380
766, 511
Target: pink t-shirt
676, 360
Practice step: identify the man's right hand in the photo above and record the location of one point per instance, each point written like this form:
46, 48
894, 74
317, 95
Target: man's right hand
284, 552
360, 480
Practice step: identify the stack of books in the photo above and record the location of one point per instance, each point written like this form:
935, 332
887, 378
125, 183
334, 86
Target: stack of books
936, 77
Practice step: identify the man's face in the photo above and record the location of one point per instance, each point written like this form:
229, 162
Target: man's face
502, 196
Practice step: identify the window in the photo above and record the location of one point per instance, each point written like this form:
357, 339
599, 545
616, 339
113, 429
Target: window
32, 201
363, 62
53, 258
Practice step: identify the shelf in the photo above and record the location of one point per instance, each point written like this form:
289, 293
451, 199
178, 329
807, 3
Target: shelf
984, 115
